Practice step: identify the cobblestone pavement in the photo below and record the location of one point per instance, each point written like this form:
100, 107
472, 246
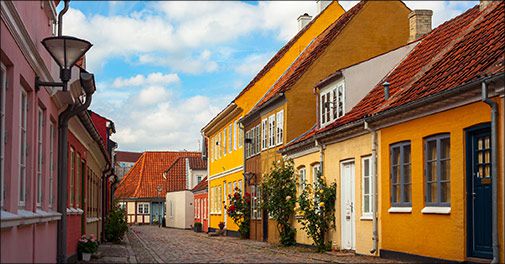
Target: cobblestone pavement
151, 244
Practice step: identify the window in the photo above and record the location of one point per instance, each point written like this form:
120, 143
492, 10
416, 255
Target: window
3, 88
143, 208
257, 140
264, 134
248, 151
254, 207
239, 186
198, 179
271, 131
332, 103
52, 140
315, 171
224, 142
40, 154
78, 181
230, 137
235, 127
401, 194
303, 178
72, 177
240, 136
280, 127
437, 170
366, 181
23, 147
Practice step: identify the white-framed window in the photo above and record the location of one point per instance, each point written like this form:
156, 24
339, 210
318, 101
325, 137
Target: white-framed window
78, 181
205, 208
72, 177
264, 134
240, 136
280, 127
230, 137
221, 144
316, 168
197, 208
239, 185
302, 174
40, 155
254, 209
23, 147
235, 135
52, 140
3, 92
366, 180
223, 147
248, 146
332, 103
271, 131
143, 208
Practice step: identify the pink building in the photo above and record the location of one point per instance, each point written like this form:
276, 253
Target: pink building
29, 122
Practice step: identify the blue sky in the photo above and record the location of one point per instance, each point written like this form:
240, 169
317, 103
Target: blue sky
164, 69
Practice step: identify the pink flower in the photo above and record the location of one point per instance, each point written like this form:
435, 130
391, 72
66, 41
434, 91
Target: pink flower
92, 237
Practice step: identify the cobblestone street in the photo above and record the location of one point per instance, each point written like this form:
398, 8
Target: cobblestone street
150, 244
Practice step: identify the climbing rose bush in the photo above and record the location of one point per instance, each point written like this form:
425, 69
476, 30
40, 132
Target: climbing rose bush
239, 209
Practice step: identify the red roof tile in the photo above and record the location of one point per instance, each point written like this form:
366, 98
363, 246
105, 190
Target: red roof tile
201, 186
146, 175
175, 175
126, 156
310, 55
456, 52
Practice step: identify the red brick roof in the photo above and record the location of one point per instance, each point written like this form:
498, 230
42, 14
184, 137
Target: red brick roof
310, 55
147, 174
175, 175
457, 52
201, 186
126, 156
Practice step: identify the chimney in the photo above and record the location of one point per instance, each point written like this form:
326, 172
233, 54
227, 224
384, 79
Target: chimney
419, 23
321, 5
484, 3
386, 90
303, 20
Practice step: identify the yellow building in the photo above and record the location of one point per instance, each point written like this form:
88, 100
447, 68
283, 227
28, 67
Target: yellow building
223, 134
435, 142
286, 110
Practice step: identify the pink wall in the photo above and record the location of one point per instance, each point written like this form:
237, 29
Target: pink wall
203, 203
30, 242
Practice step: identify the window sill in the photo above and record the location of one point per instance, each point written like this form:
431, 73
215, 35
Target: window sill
436, 210
215, 213
400, 210
92, 219
74, 211
366, 218
23, 217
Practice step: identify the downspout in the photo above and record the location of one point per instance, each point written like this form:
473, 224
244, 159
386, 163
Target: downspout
105, 196
375, 237
63, 120
60, 17
494, 168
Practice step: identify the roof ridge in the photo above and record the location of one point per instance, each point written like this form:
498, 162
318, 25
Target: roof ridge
457, 39
143, 157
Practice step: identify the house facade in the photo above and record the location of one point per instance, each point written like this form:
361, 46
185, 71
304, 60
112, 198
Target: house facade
124, 161
201, 204
142, 190
282, 115
29, 121
225, 136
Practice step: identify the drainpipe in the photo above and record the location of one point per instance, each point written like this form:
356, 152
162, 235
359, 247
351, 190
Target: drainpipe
105, 175
494, 168
60, 17
87, 82
375, 237
321, 155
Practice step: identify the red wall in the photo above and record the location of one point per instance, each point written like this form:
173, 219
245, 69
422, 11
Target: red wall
101, 126
205, 220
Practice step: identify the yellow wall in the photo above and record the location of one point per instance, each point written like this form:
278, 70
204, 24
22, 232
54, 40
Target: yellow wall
438, 236
247, 100
216, 218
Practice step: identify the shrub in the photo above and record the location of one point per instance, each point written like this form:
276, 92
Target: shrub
239, 209
317, 211
279, 189
87, 245
116, 226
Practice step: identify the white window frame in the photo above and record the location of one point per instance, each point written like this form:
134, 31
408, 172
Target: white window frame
230, 138
315, 169
240, 136
223, 147
247, 149
264, 134
72, 178
257, 142
3, 94
143, 208
235, 135
52, 135
302, 174
23, 145
330, 112
271, 130
366, 214
280, 127
40, 156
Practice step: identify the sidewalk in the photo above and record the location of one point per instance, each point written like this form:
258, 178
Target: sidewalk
114, 253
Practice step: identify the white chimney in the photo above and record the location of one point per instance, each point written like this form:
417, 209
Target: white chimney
322, 4
419, 23
303, 20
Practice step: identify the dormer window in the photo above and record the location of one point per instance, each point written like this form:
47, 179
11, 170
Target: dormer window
331, 101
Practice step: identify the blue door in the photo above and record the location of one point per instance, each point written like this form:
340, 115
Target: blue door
156, 212
479, 181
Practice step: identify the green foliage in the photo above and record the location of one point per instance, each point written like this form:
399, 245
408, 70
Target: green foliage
239, 209
116, 226
198, 225
87, 244
317, 211
279, 192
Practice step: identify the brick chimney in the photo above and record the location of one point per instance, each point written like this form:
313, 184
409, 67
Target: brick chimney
484, 3
419, 23
322, 4
303, 20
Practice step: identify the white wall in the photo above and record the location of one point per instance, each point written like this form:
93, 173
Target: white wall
182, 213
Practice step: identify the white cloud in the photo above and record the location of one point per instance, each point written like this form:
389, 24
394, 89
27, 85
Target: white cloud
156, 78
253, 63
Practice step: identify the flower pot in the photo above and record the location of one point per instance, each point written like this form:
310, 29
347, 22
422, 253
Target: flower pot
86, 256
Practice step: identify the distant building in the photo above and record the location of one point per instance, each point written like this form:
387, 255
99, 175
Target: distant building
200, 200
124, 162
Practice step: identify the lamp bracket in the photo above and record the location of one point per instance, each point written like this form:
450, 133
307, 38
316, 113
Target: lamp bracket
39, 83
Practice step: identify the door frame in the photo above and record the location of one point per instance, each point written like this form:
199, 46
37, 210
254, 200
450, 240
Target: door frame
469, 134
352, 188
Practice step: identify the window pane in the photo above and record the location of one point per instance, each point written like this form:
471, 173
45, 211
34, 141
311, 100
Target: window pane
432, 150
487, 156
406, 176
407, 193
406, 154
367, 185
432, 192
487, 143
397, 193
367, 204
445, 170
396, 156
446, 197
445, 146
395, 175
366, 164
432, 171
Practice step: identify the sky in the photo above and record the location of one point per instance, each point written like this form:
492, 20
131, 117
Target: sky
164, 69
